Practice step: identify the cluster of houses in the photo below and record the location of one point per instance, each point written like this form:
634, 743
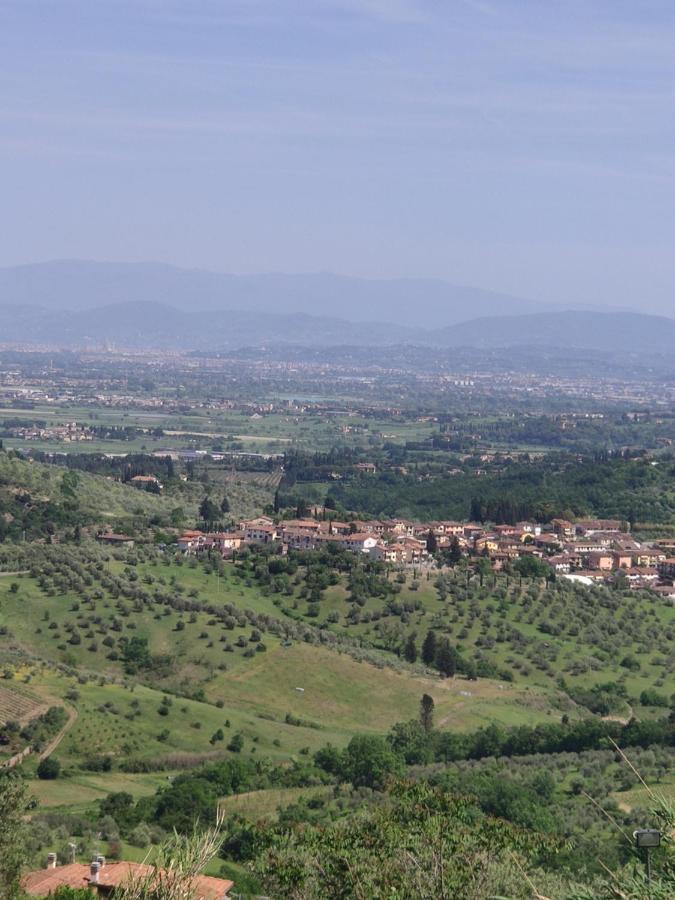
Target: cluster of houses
401, 545
587, 550
69, 433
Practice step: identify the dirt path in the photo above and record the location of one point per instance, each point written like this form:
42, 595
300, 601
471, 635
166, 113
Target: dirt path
55, 741
622, 720
14, 574
19, 757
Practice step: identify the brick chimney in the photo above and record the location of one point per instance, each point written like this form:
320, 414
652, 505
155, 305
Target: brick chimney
93, 872
51, 860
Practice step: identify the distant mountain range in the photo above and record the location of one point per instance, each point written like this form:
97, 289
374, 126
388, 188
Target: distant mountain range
143, 324
415, 303
154, 325
582, 330
75, 304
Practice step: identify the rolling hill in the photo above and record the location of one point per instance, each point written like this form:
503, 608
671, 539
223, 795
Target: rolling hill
148, 324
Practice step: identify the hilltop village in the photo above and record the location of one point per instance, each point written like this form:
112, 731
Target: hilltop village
586, 551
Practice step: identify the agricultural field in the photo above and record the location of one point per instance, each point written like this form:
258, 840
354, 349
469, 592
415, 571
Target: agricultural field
643, 796
18, 703
236, 636
221, 662
207, 428
87, 788
265, 804
526, 631
168, 663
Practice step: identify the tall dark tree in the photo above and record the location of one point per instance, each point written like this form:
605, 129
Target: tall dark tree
476, 514
446, 659
454, 552
410, 649
225, 504
208, 510
427, 712
432, 543
429, 648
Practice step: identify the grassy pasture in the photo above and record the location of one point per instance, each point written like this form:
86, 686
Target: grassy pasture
257, 805
86, 788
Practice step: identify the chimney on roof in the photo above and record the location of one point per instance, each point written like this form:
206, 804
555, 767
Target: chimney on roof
93, 872
101, 861
51, 860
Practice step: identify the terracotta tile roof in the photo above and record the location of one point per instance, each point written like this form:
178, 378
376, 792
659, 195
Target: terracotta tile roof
76, 875
44, 881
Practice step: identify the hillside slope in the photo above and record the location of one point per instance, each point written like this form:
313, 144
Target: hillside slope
39, 499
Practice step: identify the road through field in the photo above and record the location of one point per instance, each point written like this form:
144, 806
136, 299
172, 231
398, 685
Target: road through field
55, 741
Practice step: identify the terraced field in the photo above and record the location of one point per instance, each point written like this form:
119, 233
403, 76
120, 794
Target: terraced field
18, 703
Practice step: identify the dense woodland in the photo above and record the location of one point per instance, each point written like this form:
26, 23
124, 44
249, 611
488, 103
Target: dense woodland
634, 490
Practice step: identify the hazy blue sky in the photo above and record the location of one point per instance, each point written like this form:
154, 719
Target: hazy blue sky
525, 145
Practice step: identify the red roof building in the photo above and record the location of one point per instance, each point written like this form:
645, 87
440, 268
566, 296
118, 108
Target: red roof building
102, 878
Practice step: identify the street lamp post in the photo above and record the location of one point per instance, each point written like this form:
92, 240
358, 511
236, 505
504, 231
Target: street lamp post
646, 839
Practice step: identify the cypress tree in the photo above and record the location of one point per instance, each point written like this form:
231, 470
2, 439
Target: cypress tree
429, 648
446, 659
427, 712
410, 649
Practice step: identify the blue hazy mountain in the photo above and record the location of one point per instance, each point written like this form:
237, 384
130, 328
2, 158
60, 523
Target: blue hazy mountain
79, 285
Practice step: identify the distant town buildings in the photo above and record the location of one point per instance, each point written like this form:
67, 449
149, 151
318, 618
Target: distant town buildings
595, 550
